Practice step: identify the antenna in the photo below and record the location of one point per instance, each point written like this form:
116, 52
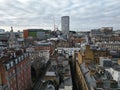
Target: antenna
54, 23
55, 26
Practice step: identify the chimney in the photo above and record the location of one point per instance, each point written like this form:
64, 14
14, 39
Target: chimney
86, 64
92, 72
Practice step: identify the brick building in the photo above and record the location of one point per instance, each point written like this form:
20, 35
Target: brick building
93, 53
45, 46
106, 37
39, 34
15, 71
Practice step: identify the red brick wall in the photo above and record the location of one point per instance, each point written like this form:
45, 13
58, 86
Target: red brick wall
19, 76
51, 48
2, 71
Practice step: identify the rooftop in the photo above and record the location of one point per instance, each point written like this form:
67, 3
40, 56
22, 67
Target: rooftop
50, 73
94, 75
98, 48
9, 55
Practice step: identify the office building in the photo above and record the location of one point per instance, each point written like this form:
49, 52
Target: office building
39, 34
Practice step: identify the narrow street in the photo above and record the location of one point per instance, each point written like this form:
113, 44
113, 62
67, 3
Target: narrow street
39, 83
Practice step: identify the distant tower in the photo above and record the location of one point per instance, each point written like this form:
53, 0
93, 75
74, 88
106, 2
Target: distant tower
12, 39
65, 25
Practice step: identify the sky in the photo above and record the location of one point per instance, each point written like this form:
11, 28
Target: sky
84, 14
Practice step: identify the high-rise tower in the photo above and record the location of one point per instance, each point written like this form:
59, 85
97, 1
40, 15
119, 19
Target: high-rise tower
65, 25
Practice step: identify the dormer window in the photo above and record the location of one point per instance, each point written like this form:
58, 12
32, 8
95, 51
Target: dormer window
7, 66
11, 63
22, 57
16, 61
19, 59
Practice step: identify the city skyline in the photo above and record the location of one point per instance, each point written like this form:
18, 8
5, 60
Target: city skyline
84, 14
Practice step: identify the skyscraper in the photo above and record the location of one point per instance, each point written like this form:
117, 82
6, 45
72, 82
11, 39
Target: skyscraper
65, 25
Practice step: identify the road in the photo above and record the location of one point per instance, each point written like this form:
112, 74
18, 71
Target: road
39, 83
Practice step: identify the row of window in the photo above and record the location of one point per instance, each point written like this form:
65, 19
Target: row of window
16, 61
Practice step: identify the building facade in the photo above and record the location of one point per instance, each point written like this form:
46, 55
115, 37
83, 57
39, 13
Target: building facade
39, 34
15, 71
4, 36
93, 54
106, 37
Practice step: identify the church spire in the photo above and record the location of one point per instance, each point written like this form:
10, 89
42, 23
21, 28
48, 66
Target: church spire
11, 28
12, 39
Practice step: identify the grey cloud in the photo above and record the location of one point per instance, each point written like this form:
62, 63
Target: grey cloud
83, 13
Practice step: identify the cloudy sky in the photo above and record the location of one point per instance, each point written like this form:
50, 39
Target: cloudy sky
84, 14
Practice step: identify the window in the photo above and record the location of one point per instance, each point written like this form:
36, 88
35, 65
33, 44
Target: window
19, 59
27, 54
11, 63
22, 57
10, 74
16, 61
7, 66
11, 81
13, 71
21, 66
